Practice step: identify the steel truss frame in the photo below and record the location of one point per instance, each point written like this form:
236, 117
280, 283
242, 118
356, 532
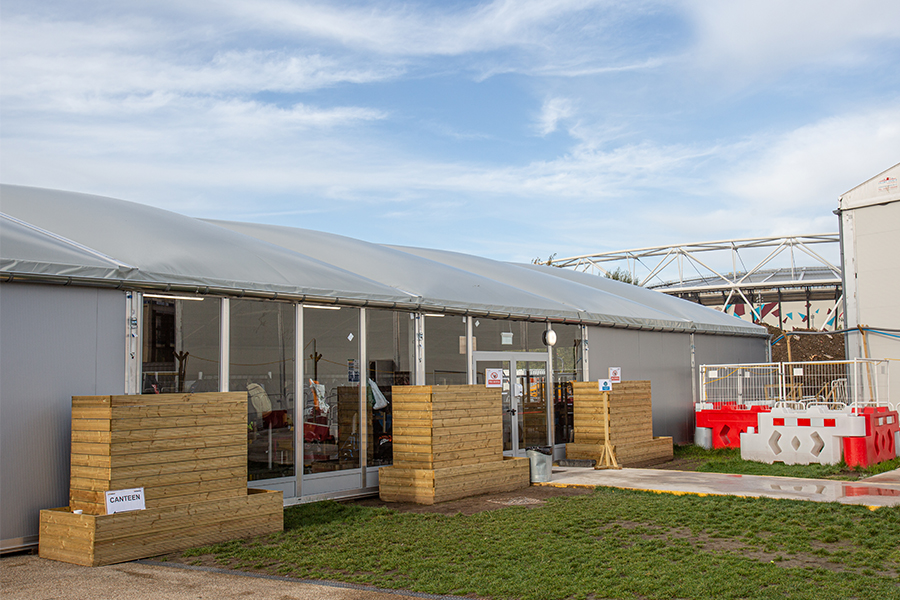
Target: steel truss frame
744, 283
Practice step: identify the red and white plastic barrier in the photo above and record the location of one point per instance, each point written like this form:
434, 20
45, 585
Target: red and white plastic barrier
880, 441
725, 423
801, 436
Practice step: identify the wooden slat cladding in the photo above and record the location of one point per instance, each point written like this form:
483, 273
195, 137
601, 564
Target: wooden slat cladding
448, 444
172, 445
630, 424
446, 426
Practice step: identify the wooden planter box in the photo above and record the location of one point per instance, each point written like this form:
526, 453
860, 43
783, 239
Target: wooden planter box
188, 452
95, 540
630, 424
448, 444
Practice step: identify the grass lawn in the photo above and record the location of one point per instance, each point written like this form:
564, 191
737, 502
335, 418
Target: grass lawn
728, 460
608, 544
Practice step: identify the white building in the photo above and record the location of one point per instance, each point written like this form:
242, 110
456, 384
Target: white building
870, 248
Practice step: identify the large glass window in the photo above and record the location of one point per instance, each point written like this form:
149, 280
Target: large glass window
496, 335
567, 368
262, 363
390, 351
180, 350
445, 350
331, 424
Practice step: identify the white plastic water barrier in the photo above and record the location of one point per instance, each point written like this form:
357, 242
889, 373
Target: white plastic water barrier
801, 436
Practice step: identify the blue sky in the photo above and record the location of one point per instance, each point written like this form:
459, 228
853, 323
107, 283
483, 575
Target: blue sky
507, 129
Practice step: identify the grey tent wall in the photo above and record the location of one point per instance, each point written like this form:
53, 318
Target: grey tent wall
57, 342
665, 360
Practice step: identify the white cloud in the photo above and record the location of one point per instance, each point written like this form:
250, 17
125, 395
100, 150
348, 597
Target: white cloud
806, 169
752, 39
398, 29
47, 71
553, 111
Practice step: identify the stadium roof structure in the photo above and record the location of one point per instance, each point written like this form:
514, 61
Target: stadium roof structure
752, 284
50, 236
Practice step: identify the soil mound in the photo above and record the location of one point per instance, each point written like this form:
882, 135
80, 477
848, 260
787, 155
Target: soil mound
810, 345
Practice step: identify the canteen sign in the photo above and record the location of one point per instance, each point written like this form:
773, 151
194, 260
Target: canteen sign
125, 500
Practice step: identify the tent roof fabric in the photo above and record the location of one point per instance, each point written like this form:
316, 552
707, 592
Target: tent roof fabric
81, 239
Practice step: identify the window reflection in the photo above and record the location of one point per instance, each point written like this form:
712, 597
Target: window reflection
390, 351
566, 369
498, 335
180, 349
331, 427
445, 350
262, 363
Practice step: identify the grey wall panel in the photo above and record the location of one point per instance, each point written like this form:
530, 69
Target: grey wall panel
662, 358
57, 342
713, 350
665, 360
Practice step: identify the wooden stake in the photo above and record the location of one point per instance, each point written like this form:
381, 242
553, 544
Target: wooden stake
607, 458
792, 388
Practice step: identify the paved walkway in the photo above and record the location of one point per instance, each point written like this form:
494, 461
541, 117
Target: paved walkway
879, 490
27, 577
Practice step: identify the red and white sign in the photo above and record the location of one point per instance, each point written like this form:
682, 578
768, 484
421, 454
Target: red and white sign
615, 374
493, 378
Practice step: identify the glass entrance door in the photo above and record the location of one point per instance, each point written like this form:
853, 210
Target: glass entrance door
524, 406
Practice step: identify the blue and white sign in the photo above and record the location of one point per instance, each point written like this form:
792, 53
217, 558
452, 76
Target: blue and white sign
605, 385
125, 500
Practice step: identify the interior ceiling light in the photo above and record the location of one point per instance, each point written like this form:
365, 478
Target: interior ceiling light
165, 297
321, 307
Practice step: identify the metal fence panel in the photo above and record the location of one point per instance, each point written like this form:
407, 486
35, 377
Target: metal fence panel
860, 382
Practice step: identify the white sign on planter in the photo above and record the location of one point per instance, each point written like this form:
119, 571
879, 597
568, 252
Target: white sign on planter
605, 385
125, 500
493, 378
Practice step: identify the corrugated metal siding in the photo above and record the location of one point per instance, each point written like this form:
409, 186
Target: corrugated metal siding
57, 342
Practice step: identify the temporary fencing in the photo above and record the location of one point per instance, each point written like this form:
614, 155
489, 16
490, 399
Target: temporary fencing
799, 412
859, 382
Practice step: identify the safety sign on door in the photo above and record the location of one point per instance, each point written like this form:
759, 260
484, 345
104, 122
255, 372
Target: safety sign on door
493, 378
615, 374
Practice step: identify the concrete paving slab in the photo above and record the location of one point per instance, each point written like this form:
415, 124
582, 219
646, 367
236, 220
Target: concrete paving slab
886, 477
870, 492
27, 577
